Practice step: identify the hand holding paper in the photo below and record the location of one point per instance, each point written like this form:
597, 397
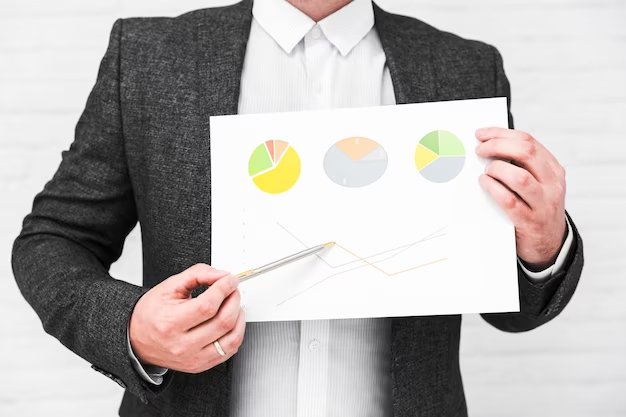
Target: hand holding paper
531, 191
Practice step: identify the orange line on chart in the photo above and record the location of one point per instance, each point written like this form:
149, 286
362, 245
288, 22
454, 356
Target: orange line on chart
367, 263
358, 267
383, 271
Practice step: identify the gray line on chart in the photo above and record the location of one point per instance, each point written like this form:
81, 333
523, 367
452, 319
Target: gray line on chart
428, 237
403, 247
319, 282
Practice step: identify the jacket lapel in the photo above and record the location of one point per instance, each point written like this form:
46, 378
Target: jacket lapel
221, 37
409, 56
222, 42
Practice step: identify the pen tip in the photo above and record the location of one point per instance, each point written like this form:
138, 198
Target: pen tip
329, 244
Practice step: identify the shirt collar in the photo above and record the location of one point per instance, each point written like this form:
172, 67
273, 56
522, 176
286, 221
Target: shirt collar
287, 25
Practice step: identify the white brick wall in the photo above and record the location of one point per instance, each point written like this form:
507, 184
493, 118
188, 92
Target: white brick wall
566, 60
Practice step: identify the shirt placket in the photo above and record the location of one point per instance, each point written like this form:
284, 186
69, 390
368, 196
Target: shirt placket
313, 368
317, 50
314, 335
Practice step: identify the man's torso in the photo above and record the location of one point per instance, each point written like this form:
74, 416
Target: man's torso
175, 73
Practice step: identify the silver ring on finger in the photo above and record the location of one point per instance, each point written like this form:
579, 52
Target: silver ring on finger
219, 349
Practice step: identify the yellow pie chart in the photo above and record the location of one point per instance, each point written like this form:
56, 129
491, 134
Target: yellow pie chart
274, 166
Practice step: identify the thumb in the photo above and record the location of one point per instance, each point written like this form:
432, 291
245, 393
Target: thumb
184, 283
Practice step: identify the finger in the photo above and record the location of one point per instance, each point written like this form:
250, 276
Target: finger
221, 323
204, 360
513, 206
219, 359
525, 152
486, 133
207, 305
209, 357
192, 278
518, 180
231, 341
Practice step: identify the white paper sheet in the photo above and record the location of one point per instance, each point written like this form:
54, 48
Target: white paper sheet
409, 241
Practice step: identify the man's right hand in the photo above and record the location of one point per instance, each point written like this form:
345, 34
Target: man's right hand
169, 328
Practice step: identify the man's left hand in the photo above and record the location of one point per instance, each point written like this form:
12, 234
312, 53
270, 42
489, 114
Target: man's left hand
531, 190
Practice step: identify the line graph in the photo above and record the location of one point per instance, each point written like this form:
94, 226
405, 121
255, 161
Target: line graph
367, 263
372, 264
364, 259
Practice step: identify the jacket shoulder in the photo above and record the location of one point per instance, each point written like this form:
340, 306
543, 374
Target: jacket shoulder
412, 30
156, 32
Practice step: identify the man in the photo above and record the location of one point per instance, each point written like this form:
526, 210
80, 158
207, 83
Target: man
141, 153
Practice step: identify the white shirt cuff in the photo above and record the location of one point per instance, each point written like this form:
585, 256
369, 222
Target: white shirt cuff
541, 276
150, 373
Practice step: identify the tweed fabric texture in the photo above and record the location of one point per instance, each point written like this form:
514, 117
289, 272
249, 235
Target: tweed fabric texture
141, 153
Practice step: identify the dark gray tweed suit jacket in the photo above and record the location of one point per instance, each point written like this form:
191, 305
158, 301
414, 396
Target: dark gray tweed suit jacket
141, 153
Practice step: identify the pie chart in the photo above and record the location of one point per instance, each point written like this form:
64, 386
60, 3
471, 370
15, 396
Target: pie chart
440, 156
355, 162
274, 166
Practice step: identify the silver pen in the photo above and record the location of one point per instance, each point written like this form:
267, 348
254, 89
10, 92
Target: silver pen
251, 273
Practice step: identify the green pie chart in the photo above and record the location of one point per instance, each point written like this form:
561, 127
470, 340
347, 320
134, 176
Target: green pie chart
440, 156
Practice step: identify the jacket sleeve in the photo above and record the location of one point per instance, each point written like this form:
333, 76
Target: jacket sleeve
539, 303
77, 229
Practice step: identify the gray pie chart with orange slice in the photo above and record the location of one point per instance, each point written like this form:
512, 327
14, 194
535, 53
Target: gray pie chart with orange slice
355, 162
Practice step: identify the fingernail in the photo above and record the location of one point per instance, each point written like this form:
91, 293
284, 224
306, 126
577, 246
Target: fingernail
481, 180
234, 279
477, 149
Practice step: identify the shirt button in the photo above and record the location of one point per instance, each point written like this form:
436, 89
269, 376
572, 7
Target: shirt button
316, 33
314, 345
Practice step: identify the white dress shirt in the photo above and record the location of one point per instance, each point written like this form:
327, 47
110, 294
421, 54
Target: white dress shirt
322, 368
